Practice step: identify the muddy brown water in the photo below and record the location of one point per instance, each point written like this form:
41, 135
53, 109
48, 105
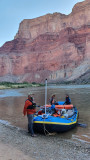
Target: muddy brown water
12, 103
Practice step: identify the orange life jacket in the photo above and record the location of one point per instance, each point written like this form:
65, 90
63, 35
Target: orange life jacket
28, 108
56, 115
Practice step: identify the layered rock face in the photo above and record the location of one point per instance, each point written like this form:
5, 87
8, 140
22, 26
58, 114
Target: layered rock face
54, 46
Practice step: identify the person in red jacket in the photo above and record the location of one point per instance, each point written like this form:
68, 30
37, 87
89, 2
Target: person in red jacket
29, 109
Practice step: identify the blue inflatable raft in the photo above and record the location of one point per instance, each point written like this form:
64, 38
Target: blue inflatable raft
63, 121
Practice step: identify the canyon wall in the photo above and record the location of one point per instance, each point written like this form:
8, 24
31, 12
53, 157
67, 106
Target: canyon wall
54, 46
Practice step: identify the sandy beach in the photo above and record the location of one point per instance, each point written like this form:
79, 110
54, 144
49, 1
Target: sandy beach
17, 144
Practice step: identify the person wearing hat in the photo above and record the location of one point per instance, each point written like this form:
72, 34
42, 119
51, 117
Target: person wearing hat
67, 100
52, 100
53, 103
30, 110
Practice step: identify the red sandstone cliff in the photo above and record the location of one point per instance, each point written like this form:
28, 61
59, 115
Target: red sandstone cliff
54, 46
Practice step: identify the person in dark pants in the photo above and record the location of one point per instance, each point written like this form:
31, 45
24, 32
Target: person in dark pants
29, 108
67, 100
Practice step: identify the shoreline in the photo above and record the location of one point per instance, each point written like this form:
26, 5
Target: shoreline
21, 85
10, 85
16, 143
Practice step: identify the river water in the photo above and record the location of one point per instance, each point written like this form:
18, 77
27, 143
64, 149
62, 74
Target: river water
12, 103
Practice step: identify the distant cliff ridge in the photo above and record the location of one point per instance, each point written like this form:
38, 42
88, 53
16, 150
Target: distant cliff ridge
54, 46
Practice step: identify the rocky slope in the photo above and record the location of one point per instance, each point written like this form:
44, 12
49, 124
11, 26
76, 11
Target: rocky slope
54, 46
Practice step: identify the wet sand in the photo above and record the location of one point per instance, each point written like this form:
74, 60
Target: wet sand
17, 144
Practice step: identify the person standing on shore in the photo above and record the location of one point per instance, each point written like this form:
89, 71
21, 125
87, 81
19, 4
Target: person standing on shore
30, 110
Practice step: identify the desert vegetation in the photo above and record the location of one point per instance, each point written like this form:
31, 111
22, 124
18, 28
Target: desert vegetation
7, 85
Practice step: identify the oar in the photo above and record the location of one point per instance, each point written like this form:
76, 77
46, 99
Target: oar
82, 125
45, 94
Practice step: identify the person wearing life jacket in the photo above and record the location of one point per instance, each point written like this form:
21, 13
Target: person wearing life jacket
67, 100
52, 100
30, 110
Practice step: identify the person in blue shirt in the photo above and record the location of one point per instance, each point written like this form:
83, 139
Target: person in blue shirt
67, 100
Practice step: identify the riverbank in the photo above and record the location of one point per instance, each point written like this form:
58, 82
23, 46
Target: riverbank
9, 85
16, 143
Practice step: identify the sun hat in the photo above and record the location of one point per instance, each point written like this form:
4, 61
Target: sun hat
30, 94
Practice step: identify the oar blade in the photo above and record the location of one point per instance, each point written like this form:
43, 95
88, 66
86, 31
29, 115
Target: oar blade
82, 125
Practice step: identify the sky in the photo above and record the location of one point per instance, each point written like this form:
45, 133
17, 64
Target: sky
12, 12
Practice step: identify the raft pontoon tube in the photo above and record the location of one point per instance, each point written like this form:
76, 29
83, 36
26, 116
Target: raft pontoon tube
61, 106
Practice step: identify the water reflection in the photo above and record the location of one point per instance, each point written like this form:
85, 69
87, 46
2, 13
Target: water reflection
12, 103
8, 93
